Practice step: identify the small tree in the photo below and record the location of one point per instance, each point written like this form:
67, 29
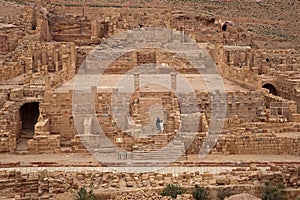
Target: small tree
199, 193
272, 191
172, 190
82, 194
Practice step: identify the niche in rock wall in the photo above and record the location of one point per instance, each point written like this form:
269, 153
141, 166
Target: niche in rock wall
29, 113
34, 19
271, 88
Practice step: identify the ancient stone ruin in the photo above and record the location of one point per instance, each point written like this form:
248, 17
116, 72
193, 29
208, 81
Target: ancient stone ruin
83, 83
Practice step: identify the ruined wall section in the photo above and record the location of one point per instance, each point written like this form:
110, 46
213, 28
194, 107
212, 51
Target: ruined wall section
281, 108
69, 28
12, 23
10, 35
55, 59
11, 124
259, 144
43, 141
241, 107
51, 184
236, 64
108, 18
282, 60
31, 27
286, 84
253, 68
46, 66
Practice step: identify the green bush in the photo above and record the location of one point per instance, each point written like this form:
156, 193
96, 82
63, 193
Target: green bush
225, 192
172, 190
272, 191
82, 194
199, 193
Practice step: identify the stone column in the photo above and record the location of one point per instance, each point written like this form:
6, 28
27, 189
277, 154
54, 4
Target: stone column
136, 80
44, 56
64, 57
251, 56
39, 65
182, 39
1, 71
231, 63
220, 53
47, 83
73, 60
173, 81
94, 29
247, 61
55, 59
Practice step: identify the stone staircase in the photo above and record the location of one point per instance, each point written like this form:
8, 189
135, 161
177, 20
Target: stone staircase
169, 153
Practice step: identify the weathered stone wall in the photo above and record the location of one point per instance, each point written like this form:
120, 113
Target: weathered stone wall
10, 126
242, 65
280, 107
39, 59
264, 144
286, 85
236, 64
9, 38
47, 184
59, 61
243, 105
277, 60
42, 139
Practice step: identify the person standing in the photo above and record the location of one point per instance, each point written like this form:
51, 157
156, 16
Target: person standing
161, 124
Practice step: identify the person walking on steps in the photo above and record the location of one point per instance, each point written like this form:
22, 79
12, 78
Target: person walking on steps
161, 124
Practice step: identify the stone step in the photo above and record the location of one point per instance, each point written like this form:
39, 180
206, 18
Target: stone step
22, 152
164, 157
26, 134
171, 153
66, 149
65, 143
106, 149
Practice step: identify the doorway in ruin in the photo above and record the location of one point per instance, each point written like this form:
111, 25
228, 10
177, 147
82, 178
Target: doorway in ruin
271, 88
29, 114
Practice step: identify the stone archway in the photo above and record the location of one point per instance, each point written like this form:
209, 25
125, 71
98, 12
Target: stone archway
271, 88
29, 113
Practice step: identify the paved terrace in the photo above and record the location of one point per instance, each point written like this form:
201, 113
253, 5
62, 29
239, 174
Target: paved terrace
213, 164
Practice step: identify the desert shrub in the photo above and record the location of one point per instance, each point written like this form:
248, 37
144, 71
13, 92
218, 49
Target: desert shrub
172, 190
199, 193
272, 191
83, 194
